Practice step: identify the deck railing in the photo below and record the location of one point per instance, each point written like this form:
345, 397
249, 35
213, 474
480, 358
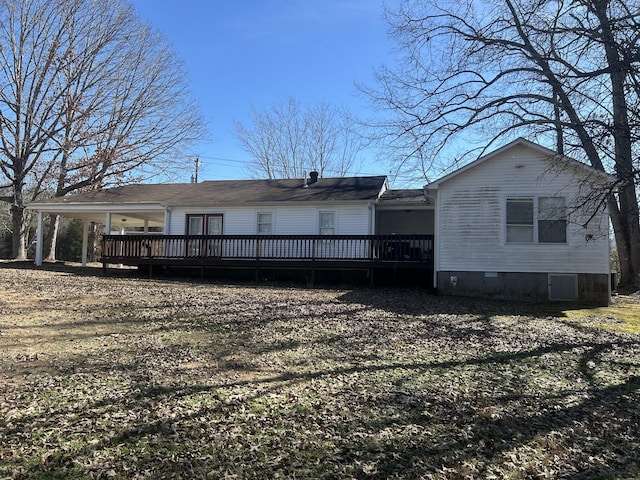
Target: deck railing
396, 248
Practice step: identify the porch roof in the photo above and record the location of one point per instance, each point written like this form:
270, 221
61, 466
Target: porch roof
403, 198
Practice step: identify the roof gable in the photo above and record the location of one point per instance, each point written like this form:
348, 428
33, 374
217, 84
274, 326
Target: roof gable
512, 145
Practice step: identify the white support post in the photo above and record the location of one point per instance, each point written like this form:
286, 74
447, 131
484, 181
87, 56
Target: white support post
107, 224
85, 242
166, 228
146, 226
39, 240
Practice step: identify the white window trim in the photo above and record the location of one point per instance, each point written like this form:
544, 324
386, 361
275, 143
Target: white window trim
536, 239
334, 213
262, 212
507, 225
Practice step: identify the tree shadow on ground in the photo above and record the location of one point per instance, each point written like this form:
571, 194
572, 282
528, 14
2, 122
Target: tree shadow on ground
364, 384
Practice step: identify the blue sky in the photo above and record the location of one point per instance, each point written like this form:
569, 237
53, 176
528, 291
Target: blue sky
240, 53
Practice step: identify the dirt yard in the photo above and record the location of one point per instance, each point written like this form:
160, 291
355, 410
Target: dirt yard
121, 377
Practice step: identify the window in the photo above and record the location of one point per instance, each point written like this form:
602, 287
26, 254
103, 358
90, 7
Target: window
541, 220
195, 224
552, 223
265, 223
200, 223
519, 220
327, 225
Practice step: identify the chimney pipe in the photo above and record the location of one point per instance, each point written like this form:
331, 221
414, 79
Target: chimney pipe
313, 177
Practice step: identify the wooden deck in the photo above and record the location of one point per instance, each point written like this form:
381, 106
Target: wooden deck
368, 252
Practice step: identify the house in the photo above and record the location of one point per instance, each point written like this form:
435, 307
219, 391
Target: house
523, 223
518, 223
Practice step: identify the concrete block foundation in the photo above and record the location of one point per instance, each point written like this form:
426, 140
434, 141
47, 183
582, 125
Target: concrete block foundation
581, 288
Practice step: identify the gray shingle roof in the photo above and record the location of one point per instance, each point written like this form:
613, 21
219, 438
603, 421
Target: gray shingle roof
233, 192
409, 195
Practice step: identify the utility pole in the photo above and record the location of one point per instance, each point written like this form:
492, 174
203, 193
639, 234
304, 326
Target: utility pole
197, 164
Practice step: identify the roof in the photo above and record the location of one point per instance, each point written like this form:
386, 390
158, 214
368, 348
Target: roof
231, 192
527, 143
405, 196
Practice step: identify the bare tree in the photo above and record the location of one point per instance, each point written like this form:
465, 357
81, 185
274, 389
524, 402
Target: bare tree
565, 73
92, 97
285, 140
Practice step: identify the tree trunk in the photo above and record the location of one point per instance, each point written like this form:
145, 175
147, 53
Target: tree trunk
629, 240
19, 238
619, 69
52, 238
622, 242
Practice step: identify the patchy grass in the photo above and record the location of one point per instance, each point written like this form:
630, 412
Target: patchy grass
623, 315
128, 378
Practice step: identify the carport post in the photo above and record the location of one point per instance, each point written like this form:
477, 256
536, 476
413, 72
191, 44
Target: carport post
39, 236
85, 242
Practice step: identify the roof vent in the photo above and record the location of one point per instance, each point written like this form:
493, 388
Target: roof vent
313, 177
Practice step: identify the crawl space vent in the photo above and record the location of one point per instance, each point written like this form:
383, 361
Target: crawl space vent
563, 287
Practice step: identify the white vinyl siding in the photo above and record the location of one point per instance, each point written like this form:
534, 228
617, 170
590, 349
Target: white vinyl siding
472, 233
353, 221
286, 220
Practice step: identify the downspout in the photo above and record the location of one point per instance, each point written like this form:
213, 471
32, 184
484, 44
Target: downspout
166, 228
372, 219
436, 239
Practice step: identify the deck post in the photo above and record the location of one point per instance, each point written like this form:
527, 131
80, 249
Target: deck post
258, 248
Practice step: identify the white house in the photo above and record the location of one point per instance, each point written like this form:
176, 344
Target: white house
518, 223
523, 223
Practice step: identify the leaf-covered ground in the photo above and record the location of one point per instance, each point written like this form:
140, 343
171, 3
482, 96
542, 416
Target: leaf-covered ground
115, 377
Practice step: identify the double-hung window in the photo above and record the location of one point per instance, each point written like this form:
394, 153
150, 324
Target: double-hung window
327, 223
519, 220
541, 220
552, 220
265, 223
